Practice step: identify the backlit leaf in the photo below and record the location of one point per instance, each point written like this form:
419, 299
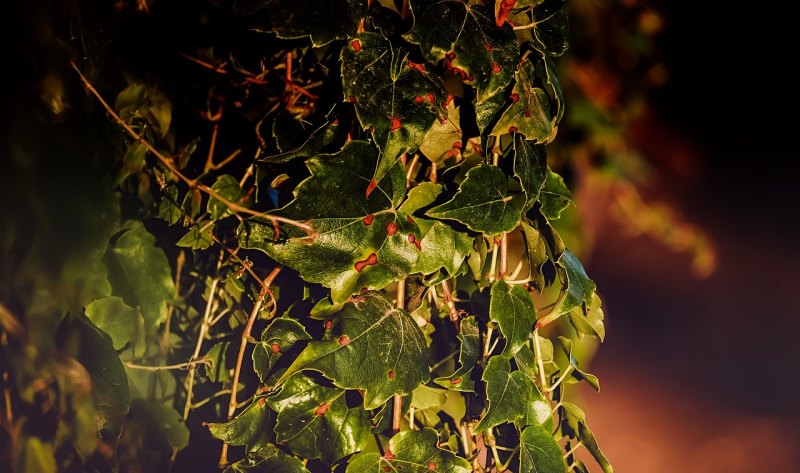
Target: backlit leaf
529, 112
555, 196
267, 459
123, 323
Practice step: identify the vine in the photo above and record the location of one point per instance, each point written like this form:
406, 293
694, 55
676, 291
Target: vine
331, 243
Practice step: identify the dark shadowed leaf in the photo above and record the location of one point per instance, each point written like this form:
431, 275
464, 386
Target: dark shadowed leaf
281, 335
550, 28
315, 422
555, 196
164, 428
267, 460
252, 428
469, 354
530, 167
529, 112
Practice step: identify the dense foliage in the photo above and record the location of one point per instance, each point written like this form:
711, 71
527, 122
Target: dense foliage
294, 236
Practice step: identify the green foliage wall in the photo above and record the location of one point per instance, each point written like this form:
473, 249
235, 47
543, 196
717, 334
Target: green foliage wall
293, 236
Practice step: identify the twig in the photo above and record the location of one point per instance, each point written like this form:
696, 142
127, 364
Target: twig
503, 257
537, 350
397, 413
203, 330
451, 305
169, 164
178, 366
410, 171
246, 336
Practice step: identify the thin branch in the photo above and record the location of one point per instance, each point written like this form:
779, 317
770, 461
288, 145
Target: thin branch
537, 351
503, 257
246, 336
397, 413
202, 335
177, 366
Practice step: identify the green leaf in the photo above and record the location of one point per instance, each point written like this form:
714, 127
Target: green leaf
140, 273
374, 346
169, 209
199, 237
546, 72
421, 196
444, 138
121, 322
132, 161
579, 287
537, 411
536, 254
323, 20
508, 393
573, 424
395, 98
315, 421
140, 102
539, 452
94, 349
481, 202
590, 322
551, 28
164, 428
278, 337
323, 136
555, 196
466, 37
442, 247
33, 455
228, 188
512, 308
529, 112
428, 398
412, 451
469, 354
530, 167
566, 346
217, 369
268, 459
252, 428
360, 242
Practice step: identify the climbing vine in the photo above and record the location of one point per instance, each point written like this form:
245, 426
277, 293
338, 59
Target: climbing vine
313, 235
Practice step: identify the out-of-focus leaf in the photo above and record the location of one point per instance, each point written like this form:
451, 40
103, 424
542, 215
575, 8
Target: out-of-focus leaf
123, 323
164, 428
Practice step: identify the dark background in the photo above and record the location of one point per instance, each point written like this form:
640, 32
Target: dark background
700, 375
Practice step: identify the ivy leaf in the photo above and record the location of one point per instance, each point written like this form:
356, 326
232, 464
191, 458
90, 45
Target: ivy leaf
168, 208
546, 72
508, 393
268, 459
123, 323
466, 37
590, 323
529, 112
442, 247
217, 369
80, 338
323, 20
530, 167
573, 424
512, 308
481, 203
536, 253
252, 428
579, 287
555, 196
228, 188
444, 138
199, 237
375, 347
412, 451
360, 242
164, 429
419, 197
140, 273
323, 136
132, 161
315, 421
394, 97
566, 346
469, 354
550, 28
537, 412
278, 337
539, 452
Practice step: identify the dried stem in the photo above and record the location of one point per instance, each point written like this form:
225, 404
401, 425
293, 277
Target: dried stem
202, 335
178, 366
246, 336
503, 257
537, 350
397, 412
451, 305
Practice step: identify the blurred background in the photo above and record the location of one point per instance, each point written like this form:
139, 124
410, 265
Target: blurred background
699, 370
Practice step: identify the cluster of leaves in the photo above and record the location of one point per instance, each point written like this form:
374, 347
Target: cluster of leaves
372, 279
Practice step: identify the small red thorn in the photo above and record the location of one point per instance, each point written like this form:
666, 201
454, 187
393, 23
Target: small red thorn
455, 381
432, 466
328, 324
391, 228
495, 67
275, 348
322, 410
371, 259
419, 99
356, 44
391, 374
430, 97
344, 340
512, 129
371, 187
353, 99
514, 98
396, 123
527, 113
368, 219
